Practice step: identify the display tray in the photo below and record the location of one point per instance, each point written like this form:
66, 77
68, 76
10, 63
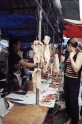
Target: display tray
30, 97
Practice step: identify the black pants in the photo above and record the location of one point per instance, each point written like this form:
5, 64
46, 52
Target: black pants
71, 87
13, 83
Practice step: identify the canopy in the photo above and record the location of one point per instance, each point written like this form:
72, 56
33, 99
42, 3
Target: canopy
72, 28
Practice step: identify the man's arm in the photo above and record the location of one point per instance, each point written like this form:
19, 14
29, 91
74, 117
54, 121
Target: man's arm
27, 64
76, 65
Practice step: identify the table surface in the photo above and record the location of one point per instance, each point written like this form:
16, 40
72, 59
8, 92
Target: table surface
29, 114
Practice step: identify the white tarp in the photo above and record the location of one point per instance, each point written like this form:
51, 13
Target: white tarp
4, 43
73, 21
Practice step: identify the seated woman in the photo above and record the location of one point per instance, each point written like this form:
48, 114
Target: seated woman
13, 59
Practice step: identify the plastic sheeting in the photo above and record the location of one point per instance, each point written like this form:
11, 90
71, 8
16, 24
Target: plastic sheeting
72, 29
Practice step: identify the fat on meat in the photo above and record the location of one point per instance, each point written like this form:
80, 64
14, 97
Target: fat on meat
37, 50
46, 49
46, 53
56, 63
45, 58
36, 79
46, 39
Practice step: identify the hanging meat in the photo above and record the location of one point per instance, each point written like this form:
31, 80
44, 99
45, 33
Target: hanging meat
45, 58
46, 39
56, 64
46, 50
37, 50
36, 79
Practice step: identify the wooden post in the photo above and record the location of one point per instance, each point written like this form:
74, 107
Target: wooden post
80, 9
40, 21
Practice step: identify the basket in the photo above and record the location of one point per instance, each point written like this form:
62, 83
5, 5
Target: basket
49, 119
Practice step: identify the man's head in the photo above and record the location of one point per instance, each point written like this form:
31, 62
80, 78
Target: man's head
14, 44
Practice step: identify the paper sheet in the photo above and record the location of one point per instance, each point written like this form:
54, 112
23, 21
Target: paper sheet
31, 98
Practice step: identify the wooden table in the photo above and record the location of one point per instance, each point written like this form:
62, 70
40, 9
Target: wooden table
29, 114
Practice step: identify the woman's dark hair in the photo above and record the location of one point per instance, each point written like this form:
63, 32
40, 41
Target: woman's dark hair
73, 42
12, 41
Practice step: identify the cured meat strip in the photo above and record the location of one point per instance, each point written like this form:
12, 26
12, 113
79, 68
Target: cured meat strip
37, 50
36, 79
46, 39
46, 55
46, 49
56, 63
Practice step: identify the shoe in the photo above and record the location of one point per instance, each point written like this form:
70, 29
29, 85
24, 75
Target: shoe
80, 117
68, 122
63, 108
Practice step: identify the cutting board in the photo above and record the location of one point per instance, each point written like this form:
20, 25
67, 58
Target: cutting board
30, 114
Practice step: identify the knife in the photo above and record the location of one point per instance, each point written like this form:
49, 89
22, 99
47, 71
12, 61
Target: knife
16, 99
12, 99
21, 104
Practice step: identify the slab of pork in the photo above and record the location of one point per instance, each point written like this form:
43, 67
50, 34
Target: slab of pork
36, 79
56, 63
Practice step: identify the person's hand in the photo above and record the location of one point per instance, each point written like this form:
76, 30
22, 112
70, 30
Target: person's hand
35, 65
71, 55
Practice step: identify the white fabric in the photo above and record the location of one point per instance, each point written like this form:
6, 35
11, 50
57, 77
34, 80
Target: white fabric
80, 98
26, 70
80, 93
19, 78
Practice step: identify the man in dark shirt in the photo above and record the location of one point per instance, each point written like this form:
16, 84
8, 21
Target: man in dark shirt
13, 59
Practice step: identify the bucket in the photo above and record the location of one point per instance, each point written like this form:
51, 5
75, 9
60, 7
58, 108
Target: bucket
49, 119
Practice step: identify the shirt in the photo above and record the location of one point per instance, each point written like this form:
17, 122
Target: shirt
69, 70
13, 59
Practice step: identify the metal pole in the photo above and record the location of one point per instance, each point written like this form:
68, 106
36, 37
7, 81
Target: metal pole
53, 37
53, 52
37, 3
44, 15
80, 9
40, 21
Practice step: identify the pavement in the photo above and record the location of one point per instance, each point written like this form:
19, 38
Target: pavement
60, 117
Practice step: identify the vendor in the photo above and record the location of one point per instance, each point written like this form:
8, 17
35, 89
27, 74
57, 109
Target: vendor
13, 59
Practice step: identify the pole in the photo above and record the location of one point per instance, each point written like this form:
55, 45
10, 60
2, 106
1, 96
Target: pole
80, 9
40, 21
37, 3
53, 37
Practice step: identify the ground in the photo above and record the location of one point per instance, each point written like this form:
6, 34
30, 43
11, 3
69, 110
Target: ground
61, 118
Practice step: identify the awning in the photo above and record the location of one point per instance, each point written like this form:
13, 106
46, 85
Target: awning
72, 28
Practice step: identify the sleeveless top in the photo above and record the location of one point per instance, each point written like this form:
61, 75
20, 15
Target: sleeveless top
69, 72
